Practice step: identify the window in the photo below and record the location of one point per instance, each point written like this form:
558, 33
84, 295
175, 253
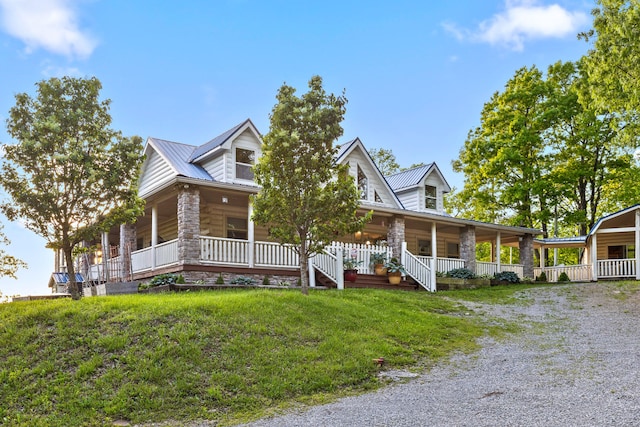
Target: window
453, 250
245, 159
363, 184
430, 197
621, 252
377, 197
237, 228
424, 247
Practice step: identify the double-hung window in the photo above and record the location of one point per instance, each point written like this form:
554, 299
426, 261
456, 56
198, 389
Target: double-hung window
245, 159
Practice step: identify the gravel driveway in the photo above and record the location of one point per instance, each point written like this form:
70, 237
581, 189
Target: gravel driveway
577, 365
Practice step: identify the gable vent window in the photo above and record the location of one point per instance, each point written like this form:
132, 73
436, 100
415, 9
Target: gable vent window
245, 159
430, 197
363, 184
378, 199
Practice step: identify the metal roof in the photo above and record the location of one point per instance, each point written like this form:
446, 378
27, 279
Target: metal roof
177, 155
409, 178
215, 142
62, 278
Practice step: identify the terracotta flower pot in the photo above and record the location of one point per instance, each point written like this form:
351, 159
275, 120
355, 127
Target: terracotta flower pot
380, 269
395, 278
350, 275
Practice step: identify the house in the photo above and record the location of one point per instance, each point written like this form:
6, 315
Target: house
197, 220
607, 252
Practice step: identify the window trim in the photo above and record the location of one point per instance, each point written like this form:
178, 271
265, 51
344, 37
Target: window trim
433, 198
242, 164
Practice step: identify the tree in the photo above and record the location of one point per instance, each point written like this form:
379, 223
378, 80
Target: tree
614, 61
504, 160
70, 175
385, 160
306, 199
9, 264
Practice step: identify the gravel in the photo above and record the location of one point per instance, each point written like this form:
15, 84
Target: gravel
576, 365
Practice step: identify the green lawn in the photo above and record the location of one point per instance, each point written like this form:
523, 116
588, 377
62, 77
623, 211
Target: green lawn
227, 355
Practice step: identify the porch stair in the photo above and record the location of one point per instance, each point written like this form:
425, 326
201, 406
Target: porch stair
370, 281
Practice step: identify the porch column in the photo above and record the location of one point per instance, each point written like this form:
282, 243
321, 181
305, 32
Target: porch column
526, 255
434, 257
154, 235
468, 247
498, 251
637, 246
395, 236
251, 235
594, 257
106, 254
543, 259
127, 244
188, 224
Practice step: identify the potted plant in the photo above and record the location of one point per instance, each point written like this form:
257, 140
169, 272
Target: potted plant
395, 271
350, 266
377, 260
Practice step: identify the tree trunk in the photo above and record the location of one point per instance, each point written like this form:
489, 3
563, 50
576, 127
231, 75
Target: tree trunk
74, 288
304, 268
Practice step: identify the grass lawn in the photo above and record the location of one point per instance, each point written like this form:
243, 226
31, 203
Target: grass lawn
228, 356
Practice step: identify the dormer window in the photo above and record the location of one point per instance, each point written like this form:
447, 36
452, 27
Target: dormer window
245, 159
363, 184
430, 197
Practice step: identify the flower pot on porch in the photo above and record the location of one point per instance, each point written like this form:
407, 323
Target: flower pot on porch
395, 278
380, 269
350, 275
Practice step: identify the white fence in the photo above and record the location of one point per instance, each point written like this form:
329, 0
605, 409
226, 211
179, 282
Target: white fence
614, 268
491, 268
362, 253
576, 273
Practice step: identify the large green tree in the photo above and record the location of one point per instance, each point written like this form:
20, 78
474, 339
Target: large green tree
504, 159
306, 198
69, 176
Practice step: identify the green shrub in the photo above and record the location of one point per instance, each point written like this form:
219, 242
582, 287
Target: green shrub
180, 280
507, 276
266, 281
542, 277
241, 280
220, 279
563, 277
164, 279
142, 286
461, 273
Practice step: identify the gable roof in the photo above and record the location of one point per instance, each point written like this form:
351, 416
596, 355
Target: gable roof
177, 156
603, 219
413, 177
348, 147
202, 151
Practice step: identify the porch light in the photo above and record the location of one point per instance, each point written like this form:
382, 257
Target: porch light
225, 199
358, 235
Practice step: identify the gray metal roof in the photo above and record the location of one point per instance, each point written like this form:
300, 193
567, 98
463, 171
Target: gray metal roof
409, 178
344, 148
178, 155
215, 142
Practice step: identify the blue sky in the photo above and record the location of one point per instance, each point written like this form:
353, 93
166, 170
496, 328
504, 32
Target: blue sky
416, 73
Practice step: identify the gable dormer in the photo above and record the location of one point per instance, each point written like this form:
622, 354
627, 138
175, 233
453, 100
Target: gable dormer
372, 186
420, 189
230, 156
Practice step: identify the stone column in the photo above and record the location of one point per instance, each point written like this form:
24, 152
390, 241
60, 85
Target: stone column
395, 236
468, 246
188, 224
526, 255
128, 239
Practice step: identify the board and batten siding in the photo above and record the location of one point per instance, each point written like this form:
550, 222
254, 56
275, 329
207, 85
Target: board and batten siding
156, 173
374, 183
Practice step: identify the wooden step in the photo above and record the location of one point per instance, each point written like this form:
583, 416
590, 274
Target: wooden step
370, 281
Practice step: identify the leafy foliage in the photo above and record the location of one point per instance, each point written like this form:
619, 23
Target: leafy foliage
70, 175
385, 160
166, 279
306, 199
507, 276
461, 273
563, 277
9, 264
242, 280
542, 277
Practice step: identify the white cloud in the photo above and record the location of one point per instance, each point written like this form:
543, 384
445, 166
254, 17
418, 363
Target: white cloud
521, 21
47, 24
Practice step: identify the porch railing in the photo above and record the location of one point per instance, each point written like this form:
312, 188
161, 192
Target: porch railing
275, 255
442, 264
167, 253
361, 252
576, 273
614, 268
141, 260
224, 251
420, 271
330, 265
491, 268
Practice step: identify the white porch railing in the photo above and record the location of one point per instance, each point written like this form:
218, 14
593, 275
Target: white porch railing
576, 273
167, 253
141, 260
330, 265
442, 264
224, 251
362, 253
491, 268
420, 271
616, 268
275, 255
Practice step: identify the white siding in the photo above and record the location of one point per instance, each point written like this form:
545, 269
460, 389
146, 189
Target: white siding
215, 168
246, 140
156, 171
374, 183
411, 200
